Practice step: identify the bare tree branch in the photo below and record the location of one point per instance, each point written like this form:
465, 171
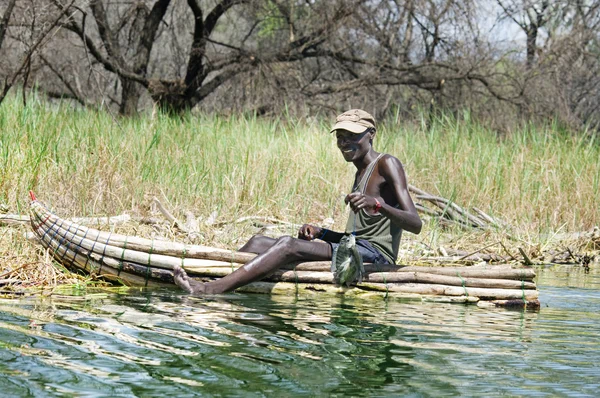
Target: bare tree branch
5, 19
39, 43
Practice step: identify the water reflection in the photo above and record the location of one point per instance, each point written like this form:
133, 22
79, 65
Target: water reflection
157, 342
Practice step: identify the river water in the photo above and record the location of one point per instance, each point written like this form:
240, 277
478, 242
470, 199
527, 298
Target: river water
164, 343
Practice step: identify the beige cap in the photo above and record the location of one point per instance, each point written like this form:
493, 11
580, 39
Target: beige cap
354, 120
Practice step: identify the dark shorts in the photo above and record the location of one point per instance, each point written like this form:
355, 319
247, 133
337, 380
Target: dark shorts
367, 251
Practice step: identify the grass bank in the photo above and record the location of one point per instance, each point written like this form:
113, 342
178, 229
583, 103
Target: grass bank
83, 162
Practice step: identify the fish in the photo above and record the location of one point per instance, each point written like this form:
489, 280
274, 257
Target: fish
346, 263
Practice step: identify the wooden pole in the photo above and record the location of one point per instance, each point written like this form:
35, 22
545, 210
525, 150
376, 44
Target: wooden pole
376, 277
332, 290
444, 290
418, 290
492, 272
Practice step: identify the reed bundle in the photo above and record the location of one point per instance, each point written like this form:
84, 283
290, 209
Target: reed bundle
42, 218
139, 261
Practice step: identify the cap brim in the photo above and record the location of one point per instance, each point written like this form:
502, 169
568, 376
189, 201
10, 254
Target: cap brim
350, 126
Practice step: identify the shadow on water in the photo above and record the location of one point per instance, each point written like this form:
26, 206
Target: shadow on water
163, 342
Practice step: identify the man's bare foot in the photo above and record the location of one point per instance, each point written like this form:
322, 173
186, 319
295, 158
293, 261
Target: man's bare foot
183, 281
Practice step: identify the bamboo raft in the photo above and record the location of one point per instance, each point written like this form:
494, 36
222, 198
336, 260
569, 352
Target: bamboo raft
145, 262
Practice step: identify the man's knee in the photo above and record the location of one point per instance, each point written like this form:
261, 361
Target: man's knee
258, 240
287, 245
257, 244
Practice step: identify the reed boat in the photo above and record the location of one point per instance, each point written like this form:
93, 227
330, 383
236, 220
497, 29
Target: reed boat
137, 261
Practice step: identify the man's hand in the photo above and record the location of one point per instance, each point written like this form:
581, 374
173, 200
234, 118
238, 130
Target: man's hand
358, 201
309, 232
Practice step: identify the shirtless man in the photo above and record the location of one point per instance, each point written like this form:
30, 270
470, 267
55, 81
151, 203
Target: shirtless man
381, 209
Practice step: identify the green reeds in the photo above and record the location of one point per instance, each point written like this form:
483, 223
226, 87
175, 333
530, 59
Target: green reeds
85, 162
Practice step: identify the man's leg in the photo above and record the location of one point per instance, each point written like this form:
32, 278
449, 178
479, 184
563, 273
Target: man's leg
285, 249
258, 244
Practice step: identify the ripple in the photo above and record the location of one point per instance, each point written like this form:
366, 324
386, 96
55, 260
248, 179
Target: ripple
158, 342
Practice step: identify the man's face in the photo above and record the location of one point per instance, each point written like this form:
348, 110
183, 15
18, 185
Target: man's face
353, 146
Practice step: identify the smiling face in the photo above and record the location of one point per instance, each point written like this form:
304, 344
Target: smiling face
354, 146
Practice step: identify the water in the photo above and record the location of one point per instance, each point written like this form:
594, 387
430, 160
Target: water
164, 343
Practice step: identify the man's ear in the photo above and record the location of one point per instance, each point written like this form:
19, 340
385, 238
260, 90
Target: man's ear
372, 135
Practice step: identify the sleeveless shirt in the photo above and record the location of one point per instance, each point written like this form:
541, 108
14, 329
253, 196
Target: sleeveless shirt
375, 228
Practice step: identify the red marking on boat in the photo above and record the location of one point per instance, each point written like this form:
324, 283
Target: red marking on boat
32, 196
42, 223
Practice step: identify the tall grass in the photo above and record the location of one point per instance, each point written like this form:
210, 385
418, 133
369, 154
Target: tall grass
84, 162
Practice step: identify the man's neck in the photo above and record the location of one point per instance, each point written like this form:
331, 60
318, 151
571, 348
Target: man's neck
363, 162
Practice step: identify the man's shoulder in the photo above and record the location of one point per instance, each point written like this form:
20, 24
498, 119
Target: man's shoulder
390, 161
387, 156
390, 168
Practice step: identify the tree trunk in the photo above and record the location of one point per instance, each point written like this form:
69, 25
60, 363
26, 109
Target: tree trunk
130, 97
171, 97
532, 33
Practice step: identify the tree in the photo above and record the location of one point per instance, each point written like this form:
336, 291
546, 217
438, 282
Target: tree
124, 37
393, 61
38, 38
531, 16
307, 56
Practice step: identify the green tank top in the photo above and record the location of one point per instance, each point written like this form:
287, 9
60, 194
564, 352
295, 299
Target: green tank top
377, 229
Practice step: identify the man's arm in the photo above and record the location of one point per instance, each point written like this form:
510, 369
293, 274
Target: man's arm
311, 232
406, 216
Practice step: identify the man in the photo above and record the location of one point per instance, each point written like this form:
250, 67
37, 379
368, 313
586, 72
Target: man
381, 209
